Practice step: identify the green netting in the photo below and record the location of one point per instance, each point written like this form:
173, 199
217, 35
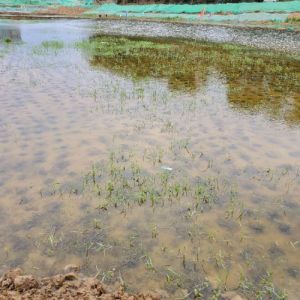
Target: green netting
14, 3
235, 8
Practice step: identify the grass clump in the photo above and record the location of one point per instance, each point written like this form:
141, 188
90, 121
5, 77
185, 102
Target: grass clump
48, 47
122, 181
262, 289
110, 46
7, 40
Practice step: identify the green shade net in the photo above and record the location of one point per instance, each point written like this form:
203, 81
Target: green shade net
164, 10
14, 3
234, 8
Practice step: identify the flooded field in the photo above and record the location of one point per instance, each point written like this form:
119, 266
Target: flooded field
164, 164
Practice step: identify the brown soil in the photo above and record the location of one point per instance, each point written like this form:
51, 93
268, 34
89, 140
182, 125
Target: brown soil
62, 10
69, 285
294, 16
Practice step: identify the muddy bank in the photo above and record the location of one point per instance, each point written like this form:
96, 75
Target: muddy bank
68, 11
68, 285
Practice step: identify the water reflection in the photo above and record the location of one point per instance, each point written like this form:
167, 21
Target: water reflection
256, 80
11, 33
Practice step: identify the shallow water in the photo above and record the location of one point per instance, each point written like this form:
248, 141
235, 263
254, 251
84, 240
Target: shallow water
164, 180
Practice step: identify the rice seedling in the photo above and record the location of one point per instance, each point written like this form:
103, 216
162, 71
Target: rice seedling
47, 47
55, 45
148, 263
262, 289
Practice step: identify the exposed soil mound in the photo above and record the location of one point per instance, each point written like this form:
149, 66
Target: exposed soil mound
15, 285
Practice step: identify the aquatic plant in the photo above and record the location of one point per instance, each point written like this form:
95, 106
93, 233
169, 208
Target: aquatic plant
47, 47
241, 66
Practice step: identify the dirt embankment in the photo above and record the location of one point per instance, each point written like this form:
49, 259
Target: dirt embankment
62, 11
294, 17
68, 285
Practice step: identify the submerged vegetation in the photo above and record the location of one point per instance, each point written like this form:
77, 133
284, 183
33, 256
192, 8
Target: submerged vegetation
48, 47
125, 181
186, 65
53, 45
159, 164
7, 40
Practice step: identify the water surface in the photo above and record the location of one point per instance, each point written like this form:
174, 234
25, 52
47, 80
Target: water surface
167, 164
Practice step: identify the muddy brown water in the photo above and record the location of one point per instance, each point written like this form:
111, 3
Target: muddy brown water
62, 113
